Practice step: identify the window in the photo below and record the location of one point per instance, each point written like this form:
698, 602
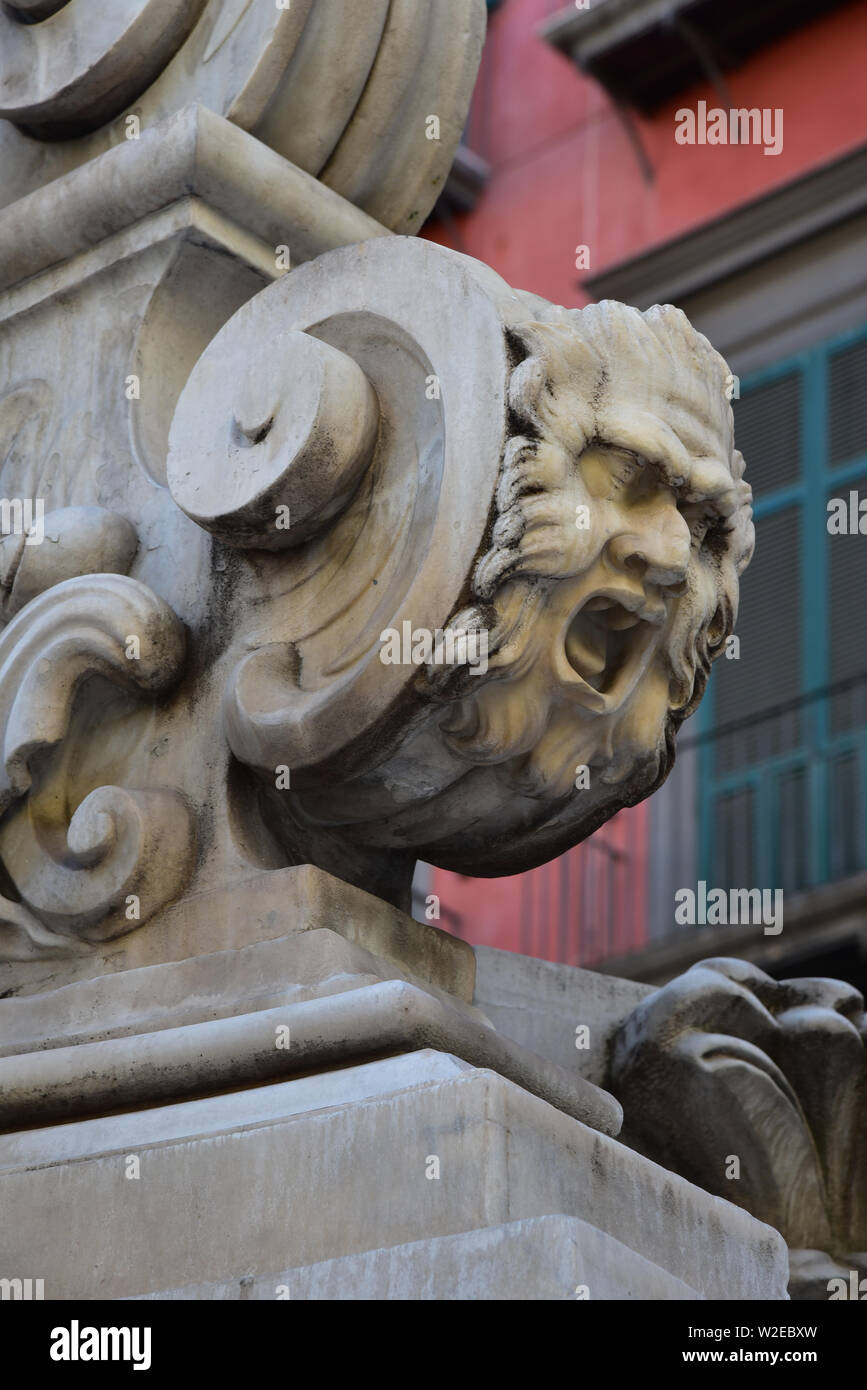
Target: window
783, 729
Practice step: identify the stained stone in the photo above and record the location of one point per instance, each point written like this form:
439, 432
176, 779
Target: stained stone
262, 428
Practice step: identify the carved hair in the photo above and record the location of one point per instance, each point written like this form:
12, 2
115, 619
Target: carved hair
610, 375
568, 393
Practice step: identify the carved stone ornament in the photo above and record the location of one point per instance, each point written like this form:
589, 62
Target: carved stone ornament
83, 859
453, 564
480, 543
340, 88
160, 157
322, 551
755, 1090
391, 562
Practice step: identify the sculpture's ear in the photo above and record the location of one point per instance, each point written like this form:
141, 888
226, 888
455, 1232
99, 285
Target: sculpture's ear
745, 536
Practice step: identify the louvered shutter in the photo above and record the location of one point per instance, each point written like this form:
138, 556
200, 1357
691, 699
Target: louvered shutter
847, 405
768, 669
768, 433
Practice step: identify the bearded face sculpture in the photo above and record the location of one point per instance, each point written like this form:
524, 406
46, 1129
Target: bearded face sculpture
546, 504
611, 582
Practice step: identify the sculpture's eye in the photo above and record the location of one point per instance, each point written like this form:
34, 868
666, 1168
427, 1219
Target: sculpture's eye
624, 471
699, 522
608, 473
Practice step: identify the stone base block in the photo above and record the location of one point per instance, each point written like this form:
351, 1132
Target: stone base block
546, 1257
405, 1167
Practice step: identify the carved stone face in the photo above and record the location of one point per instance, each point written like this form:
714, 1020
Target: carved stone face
619, 566
611, 581
638, 555
609, 586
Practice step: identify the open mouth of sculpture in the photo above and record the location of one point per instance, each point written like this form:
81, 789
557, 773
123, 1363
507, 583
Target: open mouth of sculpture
607, 645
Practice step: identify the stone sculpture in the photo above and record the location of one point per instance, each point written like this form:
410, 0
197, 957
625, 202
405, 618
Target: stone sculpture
560, 484
596, 528
324, 550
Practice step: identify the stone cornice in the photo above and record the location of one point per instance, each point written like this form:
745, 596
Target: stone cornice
742, 238
194, 153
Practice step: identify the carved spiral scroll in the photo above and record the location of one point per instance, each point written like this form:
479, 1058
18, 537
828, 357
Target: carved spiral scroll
76, 873
344, 89
67, 68
391, 523
302, 428
119, 845
32, 11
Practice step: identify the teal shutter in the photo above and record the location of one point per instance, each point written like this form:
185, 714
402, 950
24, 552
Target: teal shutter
783, 730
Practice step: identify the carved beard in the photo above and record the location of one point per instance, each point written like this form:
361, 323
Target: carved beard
587, 664
541, 718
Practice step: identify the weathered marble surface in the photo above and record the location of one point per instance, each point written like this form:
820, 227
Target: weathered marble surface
265, 436
341, 90
750, 1087
243, 1175
388, 440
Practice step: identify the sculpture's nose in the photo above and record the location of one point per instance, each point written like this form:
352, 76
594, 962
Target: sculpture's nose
654, 545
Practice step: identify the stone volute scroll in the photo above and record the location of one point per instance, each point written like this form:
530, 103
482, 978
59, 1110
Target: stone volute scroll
85, 860
155, 154
481, 543
67, 70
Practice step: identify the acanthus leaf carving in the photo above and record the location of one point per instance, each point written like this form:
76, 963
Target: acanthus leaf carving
725, 1063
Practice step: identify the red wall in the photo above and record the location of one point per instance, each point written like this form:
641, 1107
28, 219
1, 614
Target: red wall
581, 909
564, 172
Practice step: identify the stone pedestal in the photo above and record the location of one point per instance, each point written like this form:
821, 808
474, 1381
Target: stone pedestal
416, 1176
287, 1087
